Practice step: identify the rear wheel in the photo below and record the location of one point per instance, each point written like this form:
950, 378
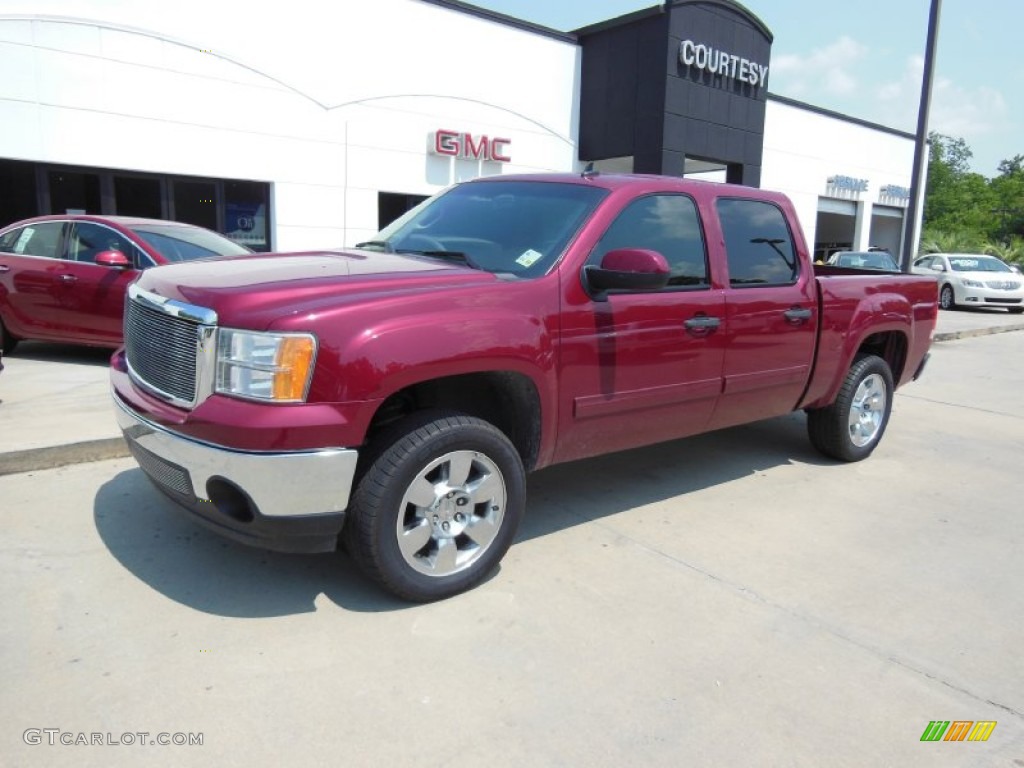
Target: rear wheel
852, 426
947, 299
438, 506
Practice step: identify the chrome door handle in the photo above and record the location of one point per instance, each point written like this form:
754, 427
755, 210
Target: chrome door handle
702, 324
4, 268
797, 315
68, 279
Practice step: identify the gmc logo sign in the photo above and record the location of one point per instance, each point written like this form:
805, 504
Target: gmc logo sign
459, 144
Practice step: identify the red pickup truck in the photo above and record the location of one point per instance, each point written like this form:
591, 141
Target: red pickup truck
392, 397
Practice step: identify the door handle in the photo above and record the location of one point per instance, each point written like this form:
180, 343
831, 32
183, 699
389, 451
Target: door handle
68, 279
797, 315
702, 324
4, 268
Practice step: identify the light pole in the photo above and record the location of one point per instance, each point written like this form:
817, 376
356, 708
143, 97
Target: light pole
920, 146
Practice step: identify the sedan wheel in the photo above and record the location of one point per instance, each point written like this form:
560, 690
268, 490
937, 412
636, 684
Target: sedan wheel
947, 299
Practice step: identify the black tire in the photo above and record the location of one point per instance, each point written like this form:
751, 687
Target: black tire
947, 299
851, 428
1015, 310
7, 341
458, 529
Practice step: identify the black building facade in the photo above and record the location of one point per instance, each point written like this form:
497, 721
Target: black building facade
677, 89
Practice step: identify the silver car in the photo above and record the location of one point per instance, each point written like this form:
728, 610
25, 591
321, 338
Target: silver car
974, 280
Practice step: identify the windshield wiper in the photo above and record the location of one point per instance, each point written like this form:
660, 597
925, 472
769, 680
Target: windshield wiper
456, 256
384, 245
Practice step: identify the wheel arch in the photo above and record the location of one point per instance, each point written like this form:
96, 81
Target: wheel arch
507, 399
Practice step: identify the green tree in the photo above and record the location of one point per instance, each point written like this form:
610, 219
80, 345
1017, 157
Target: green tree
966, 211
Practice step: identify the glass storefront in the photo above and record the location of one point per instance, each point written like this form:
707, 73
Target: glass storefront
238, 209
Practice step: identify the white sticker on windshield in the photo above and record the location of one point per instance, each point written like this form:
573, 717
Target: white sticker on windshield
528, 258
964, 264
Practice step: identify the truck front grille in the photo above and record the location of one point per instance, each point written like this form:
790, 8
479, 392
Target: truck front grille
165, 344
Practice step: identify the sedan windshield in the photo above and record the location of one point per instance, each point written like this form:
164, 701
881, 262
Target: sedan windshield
510, 227
183, 243
977, 264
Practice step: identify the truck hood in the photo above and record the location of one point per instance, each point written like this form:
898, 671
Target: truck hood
254, 290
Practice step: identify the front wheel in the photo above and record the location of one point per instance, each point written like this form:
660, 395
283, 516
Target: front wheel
852, 426
1015, 310
947, 299
437, 508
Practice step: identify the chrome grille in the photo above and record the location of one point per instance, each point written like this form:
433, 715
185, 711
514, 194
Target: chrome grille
1003, 285
164, 345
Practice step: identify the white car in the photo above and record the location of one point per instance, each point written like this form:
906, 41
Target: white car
974, 280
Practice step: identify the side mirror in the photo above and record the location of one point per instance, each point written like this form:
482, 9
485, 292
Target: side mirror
626, 269
1015, 268
114, 259
938, 268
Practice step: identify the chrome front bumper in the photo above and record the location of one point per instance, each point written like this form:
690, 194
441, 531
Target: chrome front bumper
292, 502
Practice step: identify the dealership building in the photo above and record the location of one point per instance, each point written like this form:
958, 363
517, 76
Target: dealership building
310, 124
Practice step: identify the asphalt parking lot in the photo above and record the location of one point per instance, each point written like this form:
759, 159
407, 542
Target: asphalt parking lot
731, 599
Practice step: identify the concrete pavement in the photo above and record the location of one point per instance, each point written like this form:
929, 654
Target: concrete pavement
55, 404
728, 600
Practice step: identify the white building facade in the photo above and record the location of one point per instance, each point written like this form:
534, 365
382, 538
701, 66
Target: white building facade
310, 125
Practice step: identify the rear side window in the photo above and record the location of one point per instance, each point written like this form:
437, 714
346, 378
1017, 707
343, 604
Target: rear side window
41, 239
667, 224
758, 243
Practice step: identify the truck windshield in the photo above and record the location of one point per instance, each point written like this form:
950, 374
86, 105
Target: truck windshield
510, 227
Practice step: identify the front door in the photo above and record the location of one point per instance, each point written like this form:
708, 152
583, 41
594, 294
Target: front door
643, 367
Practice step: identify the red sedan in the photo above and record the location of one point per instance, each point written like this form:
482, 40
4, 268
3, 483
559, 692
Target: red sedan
63, 278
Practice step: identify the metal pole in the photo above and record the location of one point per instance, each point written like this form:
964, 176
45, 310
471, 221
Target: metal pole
921, 145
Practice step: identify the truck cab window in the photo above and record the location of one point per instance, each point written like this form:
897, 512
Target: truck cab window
667, 224
758, 243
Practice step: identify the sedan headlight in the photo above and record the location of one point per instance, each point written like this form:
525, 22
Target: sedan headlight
968, 283
265, 366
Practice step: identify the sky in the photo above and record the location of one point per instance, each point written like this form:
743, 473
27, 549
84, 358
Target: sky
866, 59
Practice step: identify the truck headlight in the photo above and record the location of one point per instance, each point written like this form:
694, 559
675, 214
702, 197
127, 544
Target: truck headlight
265, 366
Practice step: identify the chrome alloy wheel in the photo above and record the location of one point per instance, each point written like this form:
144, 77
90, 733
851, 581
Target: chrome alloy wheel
450, 513
867, 411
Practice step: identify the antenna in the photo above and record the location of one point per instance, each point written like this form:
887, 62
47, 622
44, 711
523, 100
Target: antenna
589, 171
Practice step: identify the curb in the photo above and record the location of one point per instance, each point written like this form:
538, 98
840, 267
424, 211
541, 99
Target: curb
971, 333
50, 457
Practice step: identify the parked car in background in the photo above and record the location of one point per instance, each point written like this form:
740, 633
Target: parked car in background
63, 278
881, 260
973, 280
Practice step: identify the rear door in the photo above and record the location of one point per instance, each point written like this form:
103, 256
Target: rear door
771, 313
31, 282
642, 367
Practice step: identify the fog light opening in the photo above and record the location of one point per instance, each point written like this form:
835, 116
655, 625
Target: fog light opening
230, 500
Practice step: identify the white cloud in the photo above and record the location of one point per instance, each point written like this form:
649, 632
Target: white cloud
830, 70
956, 110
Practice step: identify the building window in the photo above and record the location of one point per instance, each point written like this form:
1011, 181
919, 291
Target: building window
194, 203
17, 191
391, 205
74, 192
138, 196
245, 214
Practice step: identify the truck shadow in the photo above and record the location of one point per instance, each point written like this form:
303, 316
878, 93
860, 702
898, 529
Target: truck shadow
183, 561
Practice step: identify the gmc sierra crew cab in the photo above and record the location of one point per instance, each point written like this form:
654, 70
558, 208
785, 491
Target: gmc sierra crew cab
390, 398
